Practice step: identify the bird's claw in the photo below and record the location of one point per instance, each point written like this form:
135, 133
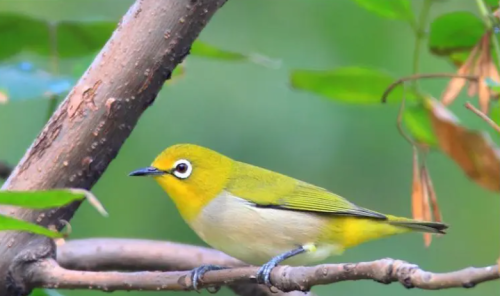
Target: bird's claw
264, 273
198, 272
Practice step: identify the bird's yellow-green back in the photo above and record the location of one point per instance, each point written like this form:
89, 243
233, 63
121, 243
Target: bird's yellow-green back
348, 224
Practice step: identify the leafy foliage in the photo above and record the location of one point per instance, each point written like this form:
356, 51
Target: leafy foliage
40, 200
65, 39
452, 35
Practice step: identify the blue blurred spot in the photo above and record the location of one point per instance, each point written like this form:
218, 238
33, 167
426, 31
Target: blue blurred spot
24, 81
26, 66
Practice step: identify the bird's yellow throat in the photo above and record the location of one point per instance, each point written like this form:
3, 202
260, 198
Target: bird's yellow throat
192, 194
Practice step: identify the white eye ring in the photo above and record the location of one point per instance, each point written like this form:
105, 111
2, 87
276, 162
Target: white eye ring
186, 173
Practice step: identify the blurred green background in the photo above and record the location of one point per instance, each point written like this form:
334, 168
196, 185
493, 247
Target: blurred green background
249, 112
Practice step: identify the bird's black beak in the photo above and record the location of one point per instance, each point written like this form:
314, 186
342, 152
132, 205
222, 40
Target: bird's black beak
149, 171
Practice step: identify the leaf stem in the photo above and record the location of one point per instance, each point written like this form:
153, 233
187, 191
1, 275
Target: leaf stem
419, 37
413, 77
483, 116
485, 13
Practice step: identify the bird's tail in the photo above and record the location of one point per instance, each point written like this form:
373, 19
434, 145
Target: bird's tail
415, 225
357, 230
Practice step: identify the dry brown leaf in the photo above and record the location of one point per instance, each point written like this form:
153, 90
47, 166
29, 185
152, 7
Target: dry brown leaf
436, 213
493, 72
425, 205
481, 67
421, 208
484, 66
473, 151
480, 64
417, 193
484, 96
475, 70
457, 84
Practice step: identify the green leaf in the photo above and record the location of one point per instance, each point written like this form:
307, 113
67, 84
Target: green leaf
78, 39
9, 223
492, 4
206, 50
459, 57
350, 84
455, 31
41, 200
418, 122
48, 198
209, 51
74, 39
38, 292
393, 9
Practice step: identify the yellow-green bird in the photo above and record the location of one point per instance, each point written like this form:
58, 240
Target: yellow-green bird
262, 217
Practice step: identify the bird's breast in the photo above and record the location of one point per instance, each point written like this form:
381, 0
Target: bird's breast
255, 235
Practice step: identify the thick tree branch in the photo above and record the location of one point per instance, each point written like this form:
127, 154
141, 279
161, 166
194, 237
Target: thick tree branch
49, 274
91, 124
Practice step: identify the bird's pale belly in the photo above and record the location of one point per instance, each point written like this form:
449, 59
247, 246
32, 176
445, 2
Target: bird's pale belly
255, 235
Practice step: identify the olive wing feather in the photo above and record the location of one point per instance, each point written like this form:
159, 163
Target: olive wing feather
264, 188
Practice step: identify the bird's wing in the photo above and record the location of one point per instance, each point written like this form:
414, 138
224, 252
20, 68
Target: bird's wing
264, 188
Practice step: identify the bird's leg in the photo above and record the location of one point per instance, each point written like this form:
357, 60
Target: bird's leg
264, 274
198, 272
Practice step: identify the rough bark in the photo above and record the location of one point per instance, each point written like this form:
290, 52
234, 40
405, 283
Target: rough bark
85, 133
122, 254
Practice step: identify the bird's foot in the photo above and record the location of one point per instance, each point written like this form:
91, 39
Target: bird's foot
264, 273
198, 272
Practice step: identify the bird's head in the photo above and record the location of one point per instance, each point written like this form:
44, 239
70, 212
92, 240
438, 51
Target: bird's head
190, 174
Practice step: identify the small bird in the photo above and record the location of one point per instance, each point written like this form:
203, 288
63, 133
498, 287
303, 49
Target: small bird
262, 217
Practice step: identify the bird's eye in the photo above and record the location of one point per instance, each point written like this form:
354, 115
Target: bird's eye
182, 169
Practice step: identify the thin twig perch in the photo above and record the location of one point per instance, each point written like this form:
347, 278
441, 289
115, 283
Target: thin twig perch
154, 255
